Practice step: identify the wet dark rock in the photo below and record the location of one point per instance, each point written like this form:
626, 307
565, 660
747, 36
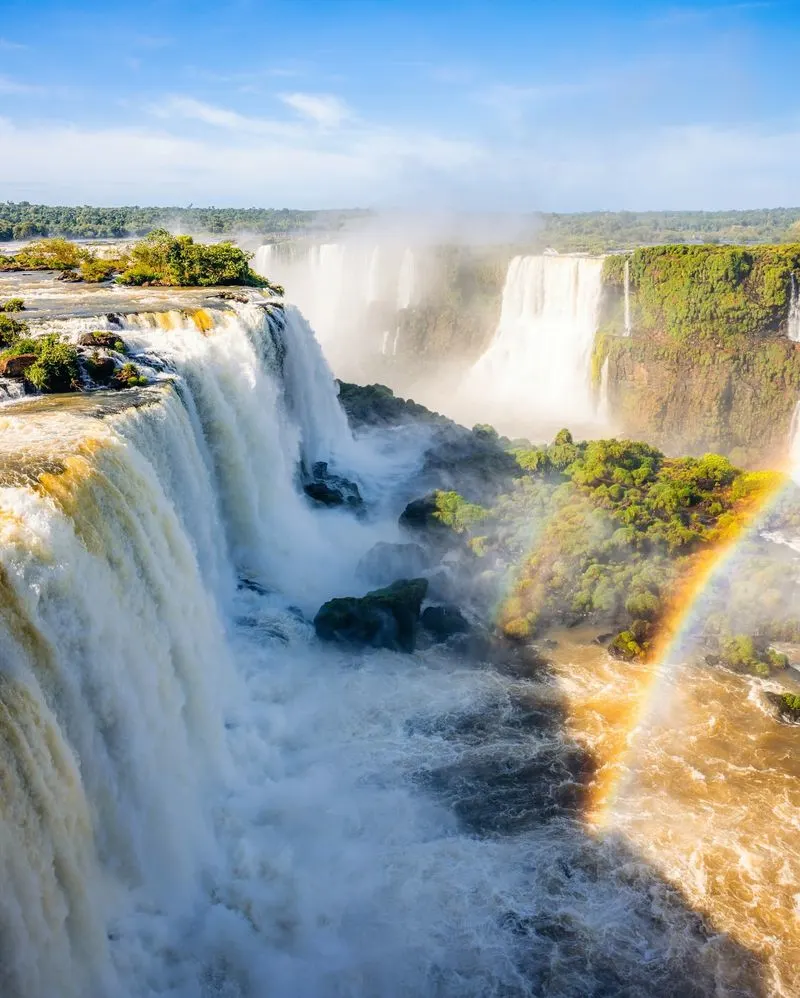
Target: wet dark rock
444, 621
786, 706
329, 489
114, 319
15, 367
108, 341
384, 618
252, 586
238, 296
384, 562
100, 368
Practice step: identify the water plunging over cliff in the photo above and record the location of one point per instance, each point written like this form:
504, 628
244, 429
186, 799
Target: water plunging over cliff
535, 373
793, 327
627, 294
351, 293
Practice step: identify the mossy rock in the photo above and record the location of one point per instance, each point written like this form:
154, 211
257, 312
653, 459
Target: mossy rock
384, 618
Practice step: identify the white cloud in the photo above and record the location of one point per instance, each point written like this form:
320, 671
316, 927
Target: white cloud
324, 109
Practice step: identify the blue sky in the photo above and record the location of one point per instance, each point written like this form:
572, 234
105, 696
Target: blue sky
508, 105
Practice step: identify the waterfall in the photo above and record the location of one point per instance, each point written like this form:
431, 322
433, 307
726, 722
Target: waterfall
793, 325
406, 280
535, 371
627, 296
350, 293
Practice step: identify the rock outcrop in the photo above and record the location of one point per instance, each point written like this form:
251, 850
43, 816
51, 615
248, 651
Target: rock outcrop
15, 367
384, 618
332, 490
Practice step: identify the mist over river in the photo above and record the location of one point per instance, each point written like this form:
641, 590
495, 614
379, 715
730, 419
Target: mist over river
202, 798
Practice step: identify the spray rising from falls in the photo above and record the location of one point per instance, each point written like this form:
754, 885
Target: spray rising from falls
351, 293
535, 373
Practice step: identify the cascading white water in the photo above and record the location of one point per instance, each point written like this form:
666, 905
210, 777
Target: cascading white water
793, 325
351, 294
201, 802
535, 372
627, 293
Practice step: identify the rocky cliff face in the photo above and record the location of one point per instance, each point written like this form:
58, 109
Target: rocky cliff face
708, 363
736, 399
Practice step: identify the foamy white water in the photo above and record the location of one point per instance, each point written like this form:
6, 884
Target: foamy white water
793, 327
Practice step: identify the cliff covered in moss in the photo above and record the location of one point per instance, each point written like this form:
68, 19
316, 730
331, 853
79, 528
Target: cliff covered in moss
708, 363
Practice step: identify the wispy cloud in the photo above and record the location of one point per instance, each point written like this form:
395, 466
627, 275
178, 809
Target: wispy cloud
8, 45
326, 110
9, 86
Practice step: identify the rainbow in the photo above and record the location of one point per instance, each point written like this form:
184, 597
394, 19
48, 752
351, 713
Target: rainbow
707, 566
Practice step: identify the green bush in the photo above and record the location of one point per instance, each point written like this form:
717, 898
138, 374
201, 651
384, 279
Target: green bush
10, 329
178, 261
12, 305
52, 254
129, 376
56, 367
94, 270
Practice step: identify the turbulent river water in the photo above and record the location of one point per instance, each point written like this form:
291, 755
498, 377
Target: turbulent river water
199, 799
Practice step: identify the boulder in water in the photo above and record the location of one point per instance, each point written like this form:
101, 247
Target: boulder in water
332, 490
15, 367
384, 562
444, 621
384, 618
109, 341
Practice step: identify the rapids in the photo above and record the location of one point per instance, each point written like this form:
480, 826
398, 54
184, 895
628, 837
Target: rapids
198, 799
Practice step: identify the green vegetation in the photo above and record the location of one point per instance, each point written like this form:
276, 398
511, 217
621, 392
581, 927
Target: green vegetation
455, 512
792, 701
129, 376
56, 366
178, 261
595, 231
745, 653
700, 292
605, 531
11, 329
12, 305
23, 220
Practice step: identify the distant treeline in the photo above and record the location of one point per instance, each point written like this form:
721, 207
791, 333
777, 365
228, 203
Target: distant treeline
592, 232
604, 231
22, 220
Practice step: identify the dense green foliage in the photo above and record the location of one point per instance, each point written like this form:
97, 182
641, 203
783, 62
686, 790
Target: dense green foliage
745, 653
12, 305
693, 292
129, 376
594, 231
56, 366
11, 329
23, 220
605, 530
178, 261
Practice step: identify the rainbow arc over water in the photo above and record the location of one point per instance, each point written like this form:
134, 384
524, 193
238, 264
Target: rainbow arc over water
675, 638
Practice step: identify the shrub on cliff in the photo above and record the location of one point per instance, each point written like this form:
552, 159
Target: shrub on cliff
51, 254
178, 261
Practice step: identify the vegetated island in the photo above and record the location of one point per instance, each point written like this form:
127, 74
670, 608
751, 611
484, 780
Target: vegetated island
158, 260
603, 533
